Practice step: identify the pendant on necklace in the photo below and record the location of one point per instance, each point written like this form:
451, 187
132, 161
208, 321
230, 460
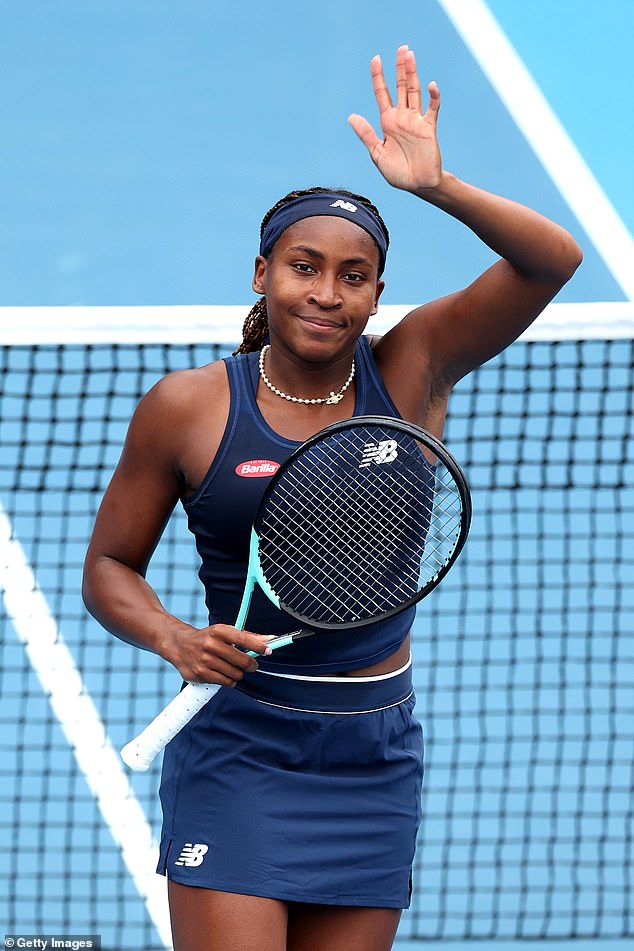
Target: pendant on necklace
332, 399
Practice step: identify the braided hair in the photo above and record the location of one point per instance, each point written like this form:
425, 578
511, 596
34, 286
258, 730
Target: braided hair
256, 325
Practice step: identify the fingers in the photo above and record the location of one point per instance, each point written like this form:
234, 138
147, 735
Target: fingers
408, 90
381, 92
412, 96
251, 642
365, 132
402, 77
434, 102
217, 654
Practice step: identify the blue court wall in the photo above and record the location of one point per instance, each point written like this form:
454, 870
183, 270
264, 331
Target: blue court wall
141, 143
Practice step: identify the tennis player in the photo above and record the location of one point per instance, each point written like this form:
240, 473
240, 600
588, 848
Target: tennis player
291, 802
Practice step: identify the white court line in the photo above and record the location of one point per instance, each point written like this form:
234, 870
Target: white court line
536, 119
215, 323
62, 683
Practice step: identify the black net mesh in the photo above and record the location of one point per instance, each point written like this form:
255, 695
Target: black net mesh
524, 656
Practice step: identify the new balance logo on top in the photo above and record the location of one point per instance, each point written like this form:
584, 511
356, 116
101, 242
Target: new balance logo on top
192, 854
346, 205
379, 452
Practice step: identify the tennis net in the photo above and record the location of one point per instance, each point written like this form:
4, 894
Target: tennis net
523, 657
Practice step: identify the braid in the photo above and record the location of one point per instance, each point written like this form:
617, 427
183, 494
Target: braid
255, 328
256, 325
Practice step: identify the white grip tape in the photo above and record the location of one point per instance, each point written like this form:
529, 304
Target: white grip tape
139, 753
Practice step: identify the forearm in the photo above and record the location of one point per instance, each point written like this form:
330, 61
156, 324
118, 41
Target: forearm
127, 606
531, 243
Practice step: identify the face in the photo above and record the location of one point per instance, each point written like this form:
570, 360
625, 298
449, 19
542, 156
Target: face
321, 286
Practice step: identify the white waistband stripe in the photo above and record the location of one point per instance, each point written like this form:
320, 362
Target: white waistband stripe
335, 713
350, 679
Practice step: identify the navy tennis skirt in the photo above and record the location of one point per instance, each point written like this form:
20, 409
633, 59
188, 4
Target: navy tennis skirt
300, 789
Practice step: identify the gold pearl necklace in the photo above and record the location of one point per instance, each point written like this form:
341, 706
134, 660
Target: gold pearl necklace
333, 398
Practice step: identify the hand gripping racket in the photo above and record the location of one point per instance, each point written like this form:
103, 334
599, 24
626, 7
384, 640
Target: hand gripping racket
362, 521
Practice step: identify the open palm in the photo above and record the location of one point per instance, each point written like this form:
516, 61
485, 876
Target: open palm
408, 155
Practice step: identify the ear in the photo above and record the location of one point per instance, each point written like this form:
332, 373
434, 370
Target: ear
380, 287
258, 274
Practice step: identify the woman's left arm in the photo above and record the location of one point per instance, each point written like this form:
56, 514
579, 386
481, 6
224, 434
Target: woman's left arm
457, 333
537, 257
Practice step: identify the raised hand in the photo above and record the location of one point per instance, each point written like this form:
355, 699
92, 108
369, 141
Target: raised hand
408, 156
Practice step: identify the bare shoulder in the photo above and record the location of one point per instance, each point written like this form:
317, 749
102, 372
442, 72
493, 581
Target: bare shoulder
404, 358
183, 385
415, 329
183, 393
182, 415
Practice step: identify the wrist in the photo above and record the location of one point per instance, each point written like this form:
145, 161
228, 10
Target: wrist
435, 194
171, 635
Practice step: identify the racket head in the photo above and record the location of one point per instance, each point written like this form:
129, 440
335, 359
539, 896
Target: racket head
361, 522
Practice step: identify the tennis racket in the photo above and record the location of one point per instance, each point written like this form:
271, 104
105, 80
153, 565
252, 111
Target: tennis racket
362, 521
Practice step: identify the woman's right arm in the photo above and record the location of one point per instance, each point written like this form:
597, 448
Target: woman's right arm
144, 489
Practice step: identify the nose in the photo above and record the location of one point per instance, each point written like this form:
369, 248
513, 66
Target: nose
324, 291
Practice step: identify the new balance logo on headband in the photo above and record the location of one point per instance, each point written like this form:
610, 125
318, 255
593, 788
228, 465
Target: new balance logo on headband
379, 452
346, 205
192, 854
329, 203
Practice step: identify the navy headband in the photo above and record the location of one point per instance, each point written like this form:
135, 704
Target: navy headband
316, 205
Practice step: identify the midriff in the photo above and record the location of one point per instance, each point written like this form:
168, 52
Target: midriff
394, 662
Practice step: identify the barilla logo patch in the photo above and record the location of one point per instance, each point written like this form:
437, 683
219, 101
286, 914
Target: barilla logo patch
257, 468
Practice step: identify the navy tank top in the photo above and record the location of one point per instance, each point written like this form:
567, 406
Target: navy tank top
221, 513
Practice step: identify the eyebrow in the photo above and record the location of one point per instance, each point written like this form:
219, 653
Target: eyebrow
312, 252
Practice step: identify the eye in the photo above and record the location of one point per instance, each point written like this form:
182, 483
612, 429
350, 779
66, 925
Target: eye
303, 267
354, 278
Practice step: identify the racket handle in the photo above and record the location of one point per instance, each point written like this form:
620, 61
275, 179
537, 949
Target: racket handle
284, 640
139, 753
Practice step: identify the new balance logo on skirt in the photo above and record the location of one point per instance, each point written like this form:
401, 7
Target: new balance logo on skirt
192, 854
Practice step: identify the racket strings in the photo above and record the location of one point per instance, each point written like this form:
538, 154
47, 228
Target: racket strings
338, 523
419, 462
365, 525
308, 584
396, 492
359, 544
369, 510
332, 591
447, 514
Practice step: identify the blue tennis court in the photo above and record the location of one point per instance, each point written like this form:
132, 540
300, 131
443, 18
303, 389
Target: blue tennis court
141, 146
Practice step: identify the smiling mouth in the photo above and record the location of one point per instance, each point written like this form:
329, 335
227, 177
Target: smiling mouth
322, 322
